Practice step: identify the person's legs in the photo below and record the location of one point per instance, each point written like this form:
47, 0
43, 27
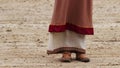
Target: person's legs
70, 40
72, 15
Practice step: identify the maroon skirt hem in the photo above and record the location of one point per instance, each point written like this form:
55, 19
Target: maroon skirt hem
71, 27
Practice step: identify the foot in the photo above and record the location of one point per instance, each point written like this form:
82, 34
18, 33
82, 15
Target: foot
66, 57
82, 57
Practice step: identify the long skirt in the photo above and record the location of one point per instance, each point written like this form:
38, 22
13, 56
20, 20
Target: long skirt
71, 21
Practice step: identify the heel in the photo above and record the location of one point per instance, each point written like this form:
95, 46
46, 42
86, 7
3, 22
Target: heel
66, 57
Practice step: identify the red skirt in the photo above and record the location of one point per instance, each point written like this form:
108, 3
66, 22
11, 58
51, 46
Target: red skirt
74, 15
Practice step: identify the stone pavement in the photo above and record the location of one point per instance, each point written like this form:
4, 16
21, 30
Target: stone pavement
24, 36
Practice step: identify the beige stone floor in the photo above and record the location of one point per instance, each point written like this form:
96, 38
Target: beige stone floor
24, 36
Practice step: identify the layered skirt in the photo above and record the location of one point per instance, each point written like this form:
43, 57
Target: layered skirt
71, 21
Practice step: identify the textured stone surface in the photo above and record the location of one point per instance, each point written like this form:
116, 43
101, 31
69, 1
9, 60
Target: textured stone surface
24, 36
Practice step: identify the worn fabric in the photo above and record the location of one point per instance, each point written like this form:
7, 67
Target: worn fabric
66, 41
